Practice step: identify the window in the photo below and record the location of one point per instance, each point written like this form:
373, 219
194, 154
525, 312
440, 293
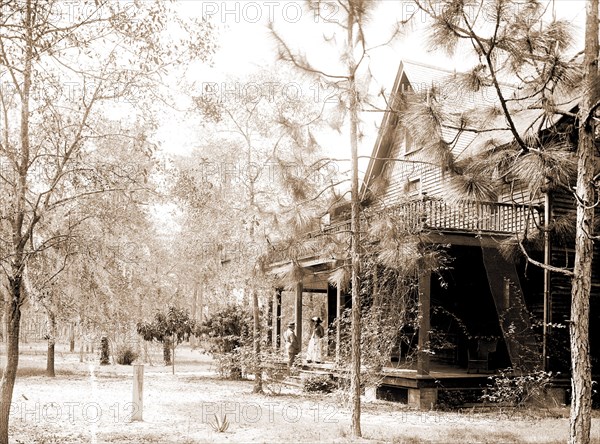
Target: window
413, 186
409, 143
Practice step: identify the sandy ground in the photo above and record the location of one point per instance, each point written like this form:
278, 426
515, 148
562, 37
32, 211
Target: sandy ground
89, 403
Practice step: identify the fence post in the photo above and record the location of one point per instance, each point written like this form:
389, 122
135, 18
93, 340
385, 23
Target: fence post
138, 389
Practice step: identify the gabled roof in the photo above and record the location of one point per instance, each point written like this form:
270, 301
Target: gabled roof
416, 77
419, 78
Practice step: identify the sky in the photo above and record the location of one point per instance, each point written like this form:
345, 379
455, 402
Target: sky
245, 46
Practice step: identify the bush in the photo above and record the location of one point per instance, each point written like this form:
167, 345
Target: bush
228, 329
229, 365
126, 356
319, 383
516, 390
229, 333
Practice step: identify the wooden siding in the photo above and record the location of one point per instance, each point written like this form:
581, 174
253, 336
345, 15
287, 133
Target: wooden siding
563, 255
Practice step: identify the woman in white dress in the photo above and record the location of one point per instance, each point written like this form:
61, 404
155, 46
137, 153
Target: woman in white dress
314, 350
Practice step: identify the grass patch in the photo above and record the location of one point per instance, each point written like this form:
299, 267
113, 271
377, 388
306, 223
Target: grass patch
31, 372
490, 437
408, 440
128, 438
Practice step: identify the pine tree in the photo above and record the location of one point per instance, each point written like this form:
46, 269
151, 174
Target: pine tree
523, 56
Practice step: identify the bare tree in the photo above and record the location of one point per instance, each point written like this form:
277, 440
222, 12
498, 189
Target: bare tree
59, 70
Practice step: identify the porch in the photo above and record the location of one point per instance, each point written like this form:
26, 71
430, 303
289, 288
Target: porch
484, 293
444, 385
436, 215
399, 384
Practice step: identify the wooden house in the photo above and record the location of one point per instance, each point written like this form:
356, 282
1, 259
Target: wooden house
496, 312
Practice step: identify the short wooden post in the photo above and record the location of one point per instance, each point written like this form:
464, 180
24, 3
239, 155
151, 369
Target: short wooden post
338, 328
138, 392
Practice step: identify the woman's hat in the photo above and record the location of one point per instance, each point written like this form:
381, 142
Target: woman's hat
316, 319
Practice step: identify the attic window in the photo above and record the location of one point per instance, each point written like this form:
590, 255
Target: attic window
409, 145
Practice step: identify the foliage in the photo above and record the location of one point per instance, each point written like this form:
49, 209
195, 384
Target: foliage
228, 329
229, 364
125, 355
170, 329
389, 291
319, 383
219, 425
516, 389
175, 325
230, 333
65, 74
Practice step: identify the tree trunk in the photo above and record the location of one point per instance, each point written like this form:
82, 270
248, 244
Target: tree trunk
12, 356
71, 337
581, 378
193, 340
355, 243
104, 351
19, 236
258, 386
173, 344
5, 321
51, 343
3, 318
167, 351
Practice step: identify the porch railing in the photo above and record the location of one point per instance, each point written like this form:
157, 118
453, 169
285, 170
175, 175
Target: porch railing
439, 215
468, 216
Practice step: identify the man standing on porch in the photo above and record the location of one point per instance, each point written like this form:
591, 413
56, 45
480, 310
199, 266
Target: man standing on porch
291, 343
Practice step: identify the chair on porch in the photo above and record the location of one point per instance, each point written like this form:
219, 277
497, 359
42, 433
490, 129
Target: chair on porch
479, 360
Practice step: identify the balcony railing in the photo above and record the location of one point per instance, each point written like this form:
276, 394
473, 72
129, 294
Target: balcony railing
438, 215
468, 216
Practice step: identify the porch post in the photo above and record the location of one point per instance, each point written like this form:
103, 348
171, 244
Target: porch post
547, 321
423, 366
338, 326
298, 313
270, 312
276, 319
331, 312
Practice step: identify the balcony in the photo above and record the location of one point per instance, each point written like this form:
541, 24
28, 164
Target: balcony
433, 214
468, 216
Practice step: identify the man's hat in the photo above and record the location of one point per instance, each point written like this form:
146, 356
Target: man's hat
291, 324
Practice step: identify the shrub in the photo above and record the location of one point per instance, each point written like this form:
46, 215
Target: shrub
229, 332
126, 356
319, 383
516, 390
229, 365
228, 329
